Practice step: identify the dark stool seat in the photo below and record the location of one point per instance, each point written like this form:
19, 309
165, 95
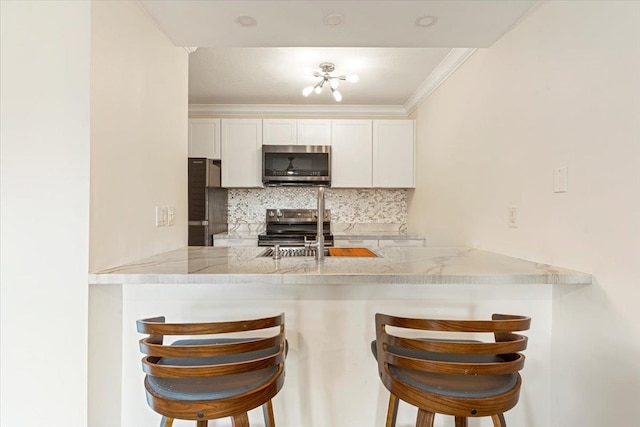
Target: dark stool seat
458, 377
203, 379
452, 385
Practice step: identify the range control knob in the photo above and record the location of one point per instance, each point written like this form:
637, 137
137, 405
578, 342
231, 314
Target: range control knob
271, 214
278, 213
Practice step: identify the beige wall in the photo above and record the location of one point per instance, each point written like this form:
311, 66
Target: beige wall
139, 108
561, 89
44, 187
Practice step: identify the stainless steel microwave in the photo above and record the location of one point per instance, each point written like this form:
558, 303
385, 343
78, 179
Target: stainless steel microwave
296, 165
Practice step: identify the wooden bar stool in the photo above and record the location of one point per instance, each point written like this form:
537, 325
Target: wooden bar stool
457, 377
209, 378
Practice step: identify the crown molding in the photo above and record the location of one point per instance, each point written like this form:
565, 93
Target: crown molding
327, 111
449, 64
190, 49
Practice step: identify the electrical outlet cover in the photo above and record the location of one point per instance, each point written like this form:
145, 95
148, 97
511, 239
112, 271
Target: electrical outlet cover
561, 180
161, 216
171, 214
513, 217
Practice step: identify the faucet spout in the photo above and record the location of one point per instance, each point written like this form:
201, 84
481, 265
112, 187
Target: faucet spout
320, 229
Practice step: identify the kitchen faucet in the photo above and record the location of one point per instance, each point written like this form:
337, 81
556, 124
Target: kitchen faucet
319, 242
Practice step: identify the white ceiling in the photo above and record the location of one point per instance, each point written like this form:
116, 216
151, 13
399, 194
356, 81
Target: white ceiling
378, 40
388, 76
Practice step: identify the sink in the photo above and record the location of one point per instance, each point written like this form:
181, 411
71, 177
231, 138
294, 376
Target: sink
311, 252
292, 252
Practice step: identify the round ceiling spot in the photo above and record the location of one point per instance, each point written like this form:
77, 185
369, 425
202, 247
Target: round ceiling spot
426, 21
246, 21
333, 20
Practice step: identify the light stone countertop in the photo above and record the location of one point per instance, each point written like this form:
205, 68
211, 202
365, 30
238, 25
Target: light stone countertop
339, 235
235, 235
396, 265
375, 235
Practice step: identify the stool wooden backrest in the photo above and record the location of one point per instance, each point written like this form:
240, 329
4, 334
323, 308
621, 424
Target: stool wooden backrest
408, 365
261, 359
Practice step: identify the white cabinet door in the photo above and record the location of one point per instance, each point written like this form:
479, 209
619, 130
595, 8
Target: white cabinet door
314, 132
204, 138
279, 131
296, 132
394, 153
241, 153
351, 153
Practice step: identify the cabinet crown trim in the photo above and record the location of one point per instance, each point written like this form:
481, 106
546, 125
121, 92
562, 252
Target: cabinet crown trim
298, 111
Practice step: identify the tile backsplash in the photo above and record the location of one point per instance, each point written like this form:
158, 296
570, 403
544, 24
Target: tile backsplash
247, 207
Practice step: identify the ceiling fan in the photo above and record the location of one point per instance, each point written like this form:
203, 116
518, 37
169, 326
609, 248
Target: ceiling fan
324, 77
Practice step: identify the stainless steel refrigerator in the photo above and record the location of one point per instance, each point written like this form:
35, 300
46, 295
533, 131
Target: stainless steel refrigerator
208, 203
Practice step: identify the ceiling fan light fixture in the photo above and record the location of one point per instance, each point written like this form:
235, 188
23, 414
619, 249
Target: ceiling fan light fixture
324, 76
352, 78
327, 67
307, 90
336, 95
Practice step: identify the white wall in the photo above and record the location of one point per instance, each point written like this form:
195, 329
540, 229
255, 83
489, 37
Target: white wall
331, 376
139, 89
139, 108
561, 89
44, 89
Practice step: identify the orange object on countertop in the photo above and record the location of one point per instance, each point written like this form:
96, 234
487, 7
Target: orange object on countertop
361, 252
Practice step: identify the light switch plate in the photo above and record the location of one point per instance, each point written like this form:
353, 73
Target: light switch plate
161, 216
171, 214
512, 221
560, 180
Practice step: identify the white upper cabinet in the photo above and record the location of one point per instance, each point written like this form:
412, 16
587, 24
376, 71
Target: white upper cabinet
296, 132
314, 132
204, 138
279, 131
351, 153
394, 154
364, 153
241, 153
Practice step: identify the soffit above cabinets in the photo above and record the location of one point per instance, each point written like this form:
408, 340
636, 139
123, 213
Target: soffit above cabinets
260, 68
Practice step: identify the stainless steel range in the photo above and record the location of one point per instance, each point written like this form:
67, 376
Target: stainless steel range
292, 227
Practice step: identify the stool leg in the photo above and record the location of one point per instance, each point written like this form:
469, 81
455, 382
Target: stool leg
392, 412
461, 421
202, 423
267, 411
425, 418
498, 420
241, 420
166, 422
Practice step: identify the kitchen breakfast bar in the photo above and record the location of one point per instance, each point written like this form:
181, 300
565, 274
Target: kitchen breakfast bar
329, 306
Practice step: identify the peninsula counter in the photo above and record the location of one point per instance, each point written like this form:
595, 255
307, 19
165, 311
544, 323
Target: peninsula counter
329, 308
